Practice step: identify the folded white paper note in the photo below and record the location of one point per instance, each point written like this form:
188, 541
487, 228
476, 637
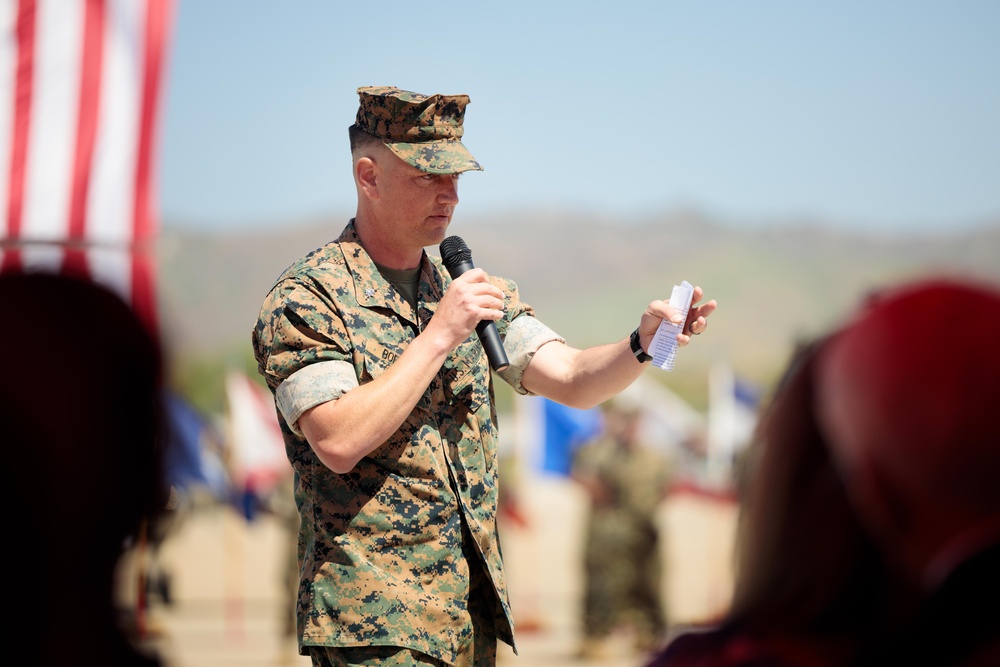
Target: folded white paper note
664, 345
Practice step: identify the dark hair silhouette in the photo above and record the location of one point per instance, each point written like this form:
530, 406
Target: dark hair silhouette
810, 583
80, 423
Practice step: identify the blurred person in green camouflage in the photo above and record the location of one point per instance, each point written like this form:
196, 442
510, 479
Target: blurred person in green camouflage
386, 402
625, 481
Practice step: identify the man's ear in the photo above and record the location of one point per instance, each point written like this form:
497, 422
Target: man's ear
366, 172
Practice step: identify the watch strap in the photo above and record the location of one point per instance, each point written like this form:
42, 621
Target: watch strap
636, 346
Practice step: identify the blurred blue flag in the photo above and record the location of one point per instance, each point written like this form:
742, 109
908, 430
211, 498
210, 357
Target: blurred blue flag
747, 393
565, 429
187, 462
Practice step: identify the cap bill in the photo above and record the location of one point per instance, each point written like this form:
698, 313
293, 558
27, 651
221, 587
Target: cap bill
436, 157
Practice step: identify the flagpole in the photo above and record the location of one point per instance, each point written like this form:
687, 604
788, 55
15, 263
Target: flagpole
720, 424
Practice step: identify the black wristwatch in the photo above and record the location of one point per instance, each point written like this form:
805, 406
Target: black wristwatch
636, 346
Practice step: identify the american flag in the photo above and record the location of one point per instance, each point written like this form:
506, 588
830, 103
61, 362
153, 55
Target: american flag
80, 84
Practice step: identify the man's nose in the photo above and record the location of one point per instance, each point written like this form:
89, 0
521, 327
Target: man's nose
449, 190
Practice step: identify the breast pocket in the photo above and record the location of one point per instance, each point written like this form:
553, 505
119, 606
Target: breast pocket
467, 375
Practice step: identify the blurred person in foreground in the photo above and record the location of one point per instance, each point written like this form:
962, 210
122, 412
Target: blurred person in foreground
386, 402
810, 583
625, 481
870, 527
913, 423
81, 424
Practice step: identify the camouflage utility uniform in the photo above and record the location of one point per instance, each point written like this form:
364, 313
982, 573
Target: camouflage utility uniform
621, 550
390, 551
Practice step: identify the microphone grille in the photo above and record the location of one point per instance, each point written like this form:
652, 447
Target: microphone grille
454, 251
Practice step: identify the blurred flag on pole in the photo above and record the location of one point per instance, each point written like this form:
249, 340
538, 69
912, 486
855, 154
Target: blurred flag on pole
257, 460
733, 406
191, 459
564, 430
80, 85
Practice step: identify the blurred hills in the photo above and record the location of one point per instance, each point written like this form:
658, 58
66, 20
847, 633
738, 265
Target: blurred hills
590, 278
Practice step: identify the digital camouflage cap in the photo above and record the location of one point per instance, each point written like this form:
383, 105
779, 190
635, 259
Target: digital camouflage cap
425, 131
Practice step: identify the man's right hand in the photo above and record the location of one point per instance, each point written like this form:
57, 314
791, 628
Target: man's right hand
470, 299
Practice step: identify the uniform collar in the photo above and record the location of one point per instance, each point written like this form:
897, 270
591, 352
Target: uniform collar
374, 291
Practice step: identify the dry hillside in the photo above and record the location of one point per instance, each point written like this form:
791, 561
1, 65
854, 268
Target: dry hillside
591, 278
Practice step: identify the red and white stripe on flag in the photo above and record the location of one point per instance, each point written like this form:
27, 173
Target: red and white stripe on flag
257, 459
79, 95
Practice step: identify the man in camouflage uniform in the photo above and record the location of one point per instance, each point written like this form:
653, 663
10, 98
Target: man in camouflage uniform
386, 403
625, 482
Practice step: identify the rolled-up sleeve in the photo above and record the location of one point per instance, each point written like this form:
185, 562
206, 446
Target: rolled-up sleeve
303, 350
314, 384
525, 334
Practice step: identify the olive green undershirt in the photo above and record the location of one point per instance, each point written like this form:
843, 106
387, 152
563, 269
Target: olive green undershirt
406, 282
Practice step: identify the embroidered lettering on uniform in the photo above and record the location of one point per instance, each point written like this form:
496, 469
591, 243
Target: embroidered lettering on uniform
388, 356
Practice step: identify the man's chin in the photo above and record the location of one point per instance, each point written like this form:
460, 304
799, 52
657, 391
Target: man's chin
437, 232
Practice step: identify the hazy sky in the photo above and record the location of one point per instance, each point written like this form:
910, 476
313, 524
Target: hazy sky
864, 112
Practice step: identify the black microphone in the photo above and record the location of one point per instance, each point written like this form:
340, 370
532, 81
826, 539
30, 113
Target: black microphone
457, 259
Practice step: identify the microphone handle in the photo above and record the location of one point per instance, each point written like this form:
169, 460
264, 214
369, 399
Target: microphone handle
490, 338
487, 329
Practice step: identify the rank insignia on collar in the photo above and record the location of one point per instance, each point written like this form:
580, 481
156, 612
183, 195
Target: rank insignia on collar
369, 292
